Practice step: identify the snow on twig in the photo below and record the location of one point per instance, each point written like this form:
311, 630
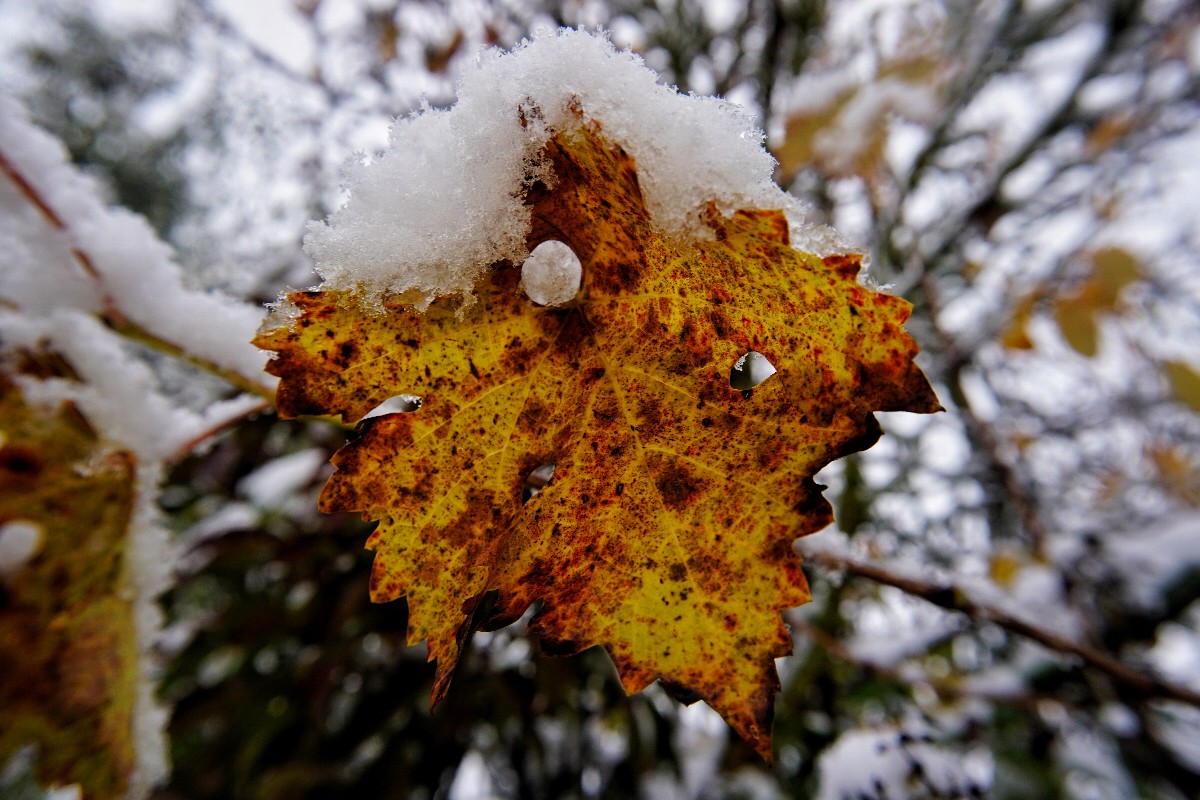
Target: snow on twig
128, 276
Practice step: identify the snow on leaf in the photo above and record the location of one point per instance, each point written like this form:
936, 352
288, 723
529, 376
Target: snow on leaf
68, 640
665, 531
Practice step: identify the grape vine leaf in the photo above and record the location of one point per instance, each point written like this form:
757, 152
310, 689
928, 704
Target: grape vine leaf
665, 534
68, 639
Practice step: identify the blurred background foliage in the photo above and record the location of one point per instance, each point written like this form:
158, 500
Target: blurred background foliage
1023, 172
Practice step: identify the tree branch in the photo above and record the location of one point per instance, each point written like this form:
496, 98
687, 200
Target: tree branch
218, 427
111, 314
944, 689
30, 193
978, 429
954, 598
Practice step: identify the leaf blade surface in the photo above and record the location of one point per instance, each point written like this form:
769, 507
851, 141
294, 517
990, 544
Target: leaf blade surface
666, 532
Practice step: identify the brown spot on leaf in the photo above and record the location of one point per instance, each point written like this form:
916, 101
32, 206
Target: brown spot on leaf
19, 463
677, 484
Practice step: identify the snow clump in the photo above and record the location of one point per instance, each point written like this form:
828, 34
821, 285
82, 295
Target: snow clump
446, 201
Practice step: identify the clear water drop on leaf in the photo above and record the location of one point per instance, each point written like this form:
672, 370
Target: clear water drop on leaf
552, 273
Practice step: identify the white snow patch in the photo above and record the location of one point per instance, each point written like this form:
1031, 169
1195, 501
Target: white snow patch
1091, 763
700, 741
890, 763
20, 541
118, 394
125, 19
472, 781
229, 517
277, 28
1176, 654
1036, 595
149, 557
277, 480
898, 627
1176, 725
1152, 556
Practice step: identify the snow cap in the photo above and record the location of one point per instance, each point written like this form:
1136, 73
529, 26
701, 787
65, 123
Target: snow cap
446, 201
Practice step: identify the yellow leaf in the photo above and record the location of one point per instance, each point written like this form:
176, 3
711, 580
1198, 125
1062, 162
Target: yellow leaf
1113, 268
1016, 337
665, 530
846, 135
1177, 472
799, 146
68, 642
1109, 131
1005, 565
1078, 325
1185, 383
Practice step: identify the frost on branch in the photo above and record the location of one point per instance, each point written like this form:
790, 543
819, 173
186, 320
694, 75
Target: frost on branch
668, 496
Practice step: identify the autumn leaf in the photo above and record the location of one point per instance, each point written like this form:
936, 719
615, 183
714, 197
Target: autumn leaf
665, 532
1177, 471
845, 132
1078, 313
68, 640
1185, 383
1016, 336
